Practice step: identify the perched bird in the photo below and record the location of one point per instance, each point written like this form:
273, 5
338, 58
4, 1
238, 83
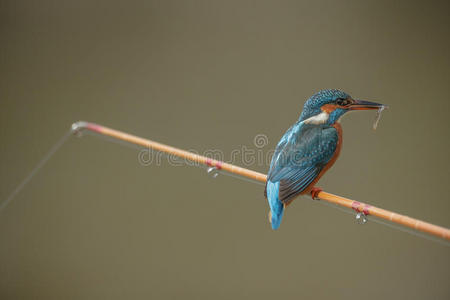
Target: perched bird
308, 149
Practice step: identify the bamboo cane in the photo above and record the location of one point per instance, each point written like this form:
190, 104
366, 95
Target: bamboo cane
360, 207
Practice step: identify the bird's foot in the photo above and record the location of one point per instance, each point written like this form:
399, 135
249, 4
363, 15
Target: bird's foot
315, 192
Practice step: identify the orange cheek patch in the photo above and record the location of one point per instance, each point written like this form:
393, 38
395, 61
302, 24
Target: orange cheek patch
328, 108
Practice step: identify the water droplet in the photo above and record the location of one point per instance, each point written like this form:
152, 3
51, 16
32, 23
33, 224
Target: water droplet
361, 218
213, 172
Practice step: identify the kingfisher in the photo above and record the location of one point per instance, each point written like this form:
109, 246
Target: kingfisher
308, 149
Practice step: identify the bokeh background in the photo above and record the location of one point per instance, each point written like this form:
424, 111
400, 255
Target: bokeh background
96, 224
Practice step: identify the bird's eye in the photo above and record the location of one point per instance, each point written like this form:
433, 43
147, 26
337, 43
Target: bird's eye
342, 102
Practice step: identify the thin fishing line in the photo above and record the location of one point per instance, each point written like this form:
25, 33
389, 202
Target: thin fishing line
416, 233
110, 139
36, 169
242, 178
400, 228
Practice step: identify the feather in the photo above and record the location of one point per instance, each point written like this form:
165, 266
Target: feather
299, 158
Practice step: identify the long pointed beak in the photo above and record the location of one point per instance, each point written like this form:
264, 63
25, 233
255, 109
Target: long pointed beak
364, 105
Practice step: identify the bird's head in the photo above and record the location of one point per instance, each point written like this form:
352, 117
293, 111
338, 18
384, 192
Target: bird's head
327, 106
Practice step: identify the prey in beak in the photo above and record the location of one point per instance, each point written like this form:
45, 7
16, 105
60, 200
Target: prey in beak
367, 105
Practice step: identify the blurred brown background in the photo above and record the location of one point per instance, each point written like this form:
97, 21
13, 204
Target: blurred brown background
95, 224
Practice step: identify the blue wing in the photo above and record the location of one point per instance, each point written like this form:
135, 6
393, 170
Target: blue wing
300, 156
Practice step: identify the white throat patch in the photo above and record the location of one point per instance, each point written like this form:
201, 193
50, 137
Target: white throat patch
321, 118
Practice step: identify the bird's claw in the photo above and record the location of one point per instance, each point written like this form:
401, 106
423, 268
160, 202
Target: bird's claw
315, 193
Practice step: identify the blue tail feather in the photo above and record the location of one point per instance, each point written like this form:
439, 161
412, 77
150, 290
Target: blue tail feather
276, 207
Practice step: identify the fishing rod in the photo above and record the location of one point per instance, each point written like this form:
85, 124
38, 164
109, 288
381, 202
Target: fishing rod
362, 210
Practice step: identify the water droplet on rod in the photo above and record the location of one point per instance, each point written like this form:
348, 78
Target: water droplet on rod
213, 172
361, 218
